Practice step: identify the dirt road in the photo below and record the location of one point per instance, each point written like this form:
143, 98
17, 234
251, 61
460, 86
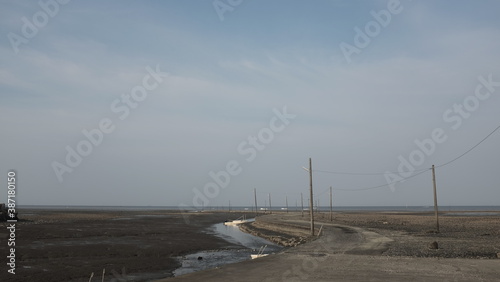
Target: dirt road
344, 253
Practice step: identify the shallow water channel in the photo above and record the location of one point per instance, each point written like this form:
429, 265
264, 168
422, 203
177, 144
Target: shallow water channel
211, 259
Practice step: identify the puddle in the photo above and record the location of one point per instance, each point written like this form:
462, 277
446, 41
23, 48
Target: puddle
211, 259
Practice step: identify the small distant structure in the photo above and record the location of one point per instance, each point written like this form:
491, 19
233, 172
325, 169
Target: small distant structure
240, 220
4, 213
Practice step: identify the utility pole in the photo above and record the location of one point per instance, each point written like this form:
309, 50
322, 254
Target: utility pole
229, 205
270, 208
331, 204
435, 198
302, 204
255, 197
311, 201
286, 200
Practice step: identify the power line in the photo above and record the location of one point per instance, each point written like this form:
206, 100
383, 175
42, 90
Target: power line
363, 173
378, 186
348, 173
420, 171
384, 185
466, 152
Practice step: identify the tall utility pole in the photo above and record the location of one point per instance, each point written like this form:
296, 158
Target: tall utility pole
270, 208
302, 204
331, 204
311, 196
435, 198
255, 197
229, 205
286, 200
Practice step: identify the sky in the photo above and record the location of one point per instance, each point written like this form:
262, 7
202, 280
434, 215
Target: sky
198, 103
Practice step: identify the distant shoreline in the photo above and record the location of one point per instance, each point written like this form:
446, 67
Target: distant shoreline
72, 242
322, 209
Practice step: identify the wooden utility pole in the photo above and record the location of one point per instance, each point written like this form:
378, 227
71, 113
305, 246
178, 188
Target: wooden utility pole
270, 208
311, 201
331, 204
286, 201
435, 198
302, 204
255, 197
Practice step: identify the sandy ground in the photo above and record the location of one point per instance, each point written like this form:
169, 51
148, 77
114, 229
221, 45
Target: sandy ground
372, 247
411, 233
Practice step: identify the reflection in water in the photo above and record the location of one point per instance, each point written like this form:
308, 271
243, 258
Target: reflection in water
233, 234
212, 259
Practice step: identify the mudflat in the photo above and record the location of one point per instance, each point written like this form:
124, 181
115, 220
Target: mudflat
372, 246
68, 245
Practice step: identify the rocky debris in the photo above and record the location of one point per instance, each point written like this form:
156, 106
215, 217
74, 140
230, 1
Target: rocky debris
433, 245
274, 234
290, 242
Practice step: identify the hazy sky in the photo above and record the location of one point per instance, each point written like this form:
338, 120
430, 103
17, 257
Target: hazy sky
146, 102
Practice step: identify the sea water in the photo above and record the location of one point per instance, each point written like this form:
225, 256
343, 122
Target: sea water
212, 259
